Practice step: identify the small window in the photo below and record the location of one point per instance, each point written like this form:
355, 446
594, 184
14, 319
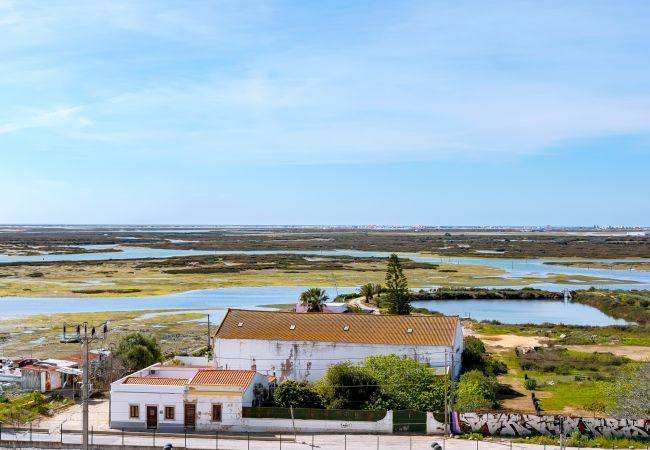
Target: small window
409, 330
240, 324
292, 327
346, 328
170, 413
216, 413
134, 411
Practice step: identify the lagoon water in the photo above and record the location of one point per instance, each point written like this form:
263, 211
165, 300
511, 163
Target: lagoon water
506, 311
522, 311
534, 311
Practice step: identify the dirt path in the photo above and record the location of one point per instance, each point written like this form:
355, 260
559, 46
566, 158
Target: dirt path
359, 302
636, 353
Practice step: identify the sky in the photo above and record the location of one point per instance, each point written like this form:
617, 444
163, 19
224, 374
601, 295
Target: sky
331, 112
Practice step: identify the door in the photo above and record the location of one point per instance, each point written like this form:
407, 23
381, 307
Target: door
190, 415
152, 417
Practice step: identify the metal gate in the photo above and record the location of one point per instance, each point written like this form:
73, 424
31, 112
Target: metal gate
409, 421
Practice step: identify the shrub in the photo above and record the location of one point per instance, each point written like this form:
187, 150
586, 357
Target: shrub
298, 394
530, 384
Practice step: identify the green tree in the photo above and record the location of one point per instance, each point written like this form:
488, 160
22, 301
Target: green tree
405, 384
397, 293
298, 394
475, 391
313, 299
476, 357
630, 391
346, 386
138, 350
367, 291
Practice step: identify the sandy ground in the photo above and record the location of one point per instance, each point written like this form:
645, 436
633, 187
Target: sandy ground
360, 302
71, 417
633, 352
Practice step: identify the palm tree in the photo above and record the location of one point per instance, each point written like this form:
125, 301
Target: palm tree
313, 299
366, 291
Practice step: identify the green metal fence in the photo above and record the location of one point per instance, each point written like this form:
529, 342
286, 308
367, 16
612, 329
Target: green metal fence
314, 414
409, 421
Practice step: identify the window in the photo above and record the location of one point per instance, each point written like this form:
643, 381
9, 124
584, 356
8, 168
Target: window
216, 413
134, 411
170, 413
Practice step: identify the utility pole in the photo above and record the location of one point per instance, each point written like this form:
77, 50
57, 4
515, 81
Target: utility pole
85, 378
446, 404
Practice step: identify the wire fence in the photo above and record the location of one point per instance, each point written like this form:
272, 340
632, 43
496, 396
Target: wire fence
32, 437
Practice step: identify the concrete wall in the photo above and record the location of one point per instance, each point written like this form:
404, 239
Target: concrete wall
527, 424
433, 426
384, 425
302, 360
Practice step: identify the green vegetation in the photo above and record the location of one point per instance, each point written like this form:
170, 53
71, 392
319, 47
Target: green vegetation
571, 334
475, 391
629, 393
397, 293
633, 306
314, 299
611, 265
23, 408
582, 441
476, 357
379, 383
563, 362
138, 350
460, 293
296, 394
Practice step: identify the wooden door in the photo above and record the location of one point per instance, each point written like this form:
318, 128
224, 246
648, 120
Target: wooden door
152, 417
190, 415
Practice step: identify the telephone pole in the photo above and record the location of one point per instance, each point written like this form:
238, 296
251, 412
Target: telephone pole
85, 377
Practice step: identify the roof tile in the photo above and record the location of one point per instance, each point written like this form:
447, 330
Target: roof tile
157, 381
217, 377
361, 328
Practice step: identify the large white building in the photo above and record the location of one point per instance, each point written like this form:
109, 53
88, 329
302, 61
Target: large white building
173, 398
302, 346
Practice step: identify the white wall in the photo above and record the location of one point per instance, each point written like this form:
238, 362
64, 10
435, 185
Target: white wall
384, 425
309, 360
124, 395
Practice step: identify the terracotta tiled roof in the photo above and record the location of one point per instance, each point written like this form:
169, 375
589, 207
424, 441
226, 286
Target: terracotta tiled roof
217, 377
39, 368
356, 328
157, 381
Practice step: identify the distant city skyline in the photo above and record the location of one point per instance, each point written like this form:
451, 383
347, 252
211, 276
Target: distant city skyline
285, 112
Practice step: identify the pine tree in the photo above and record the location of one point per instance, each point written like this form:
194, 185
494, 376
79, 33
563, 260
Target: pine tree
397, 293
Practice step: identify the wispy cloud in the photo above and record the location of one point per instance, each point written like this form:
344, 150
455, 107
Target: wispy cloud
294, 83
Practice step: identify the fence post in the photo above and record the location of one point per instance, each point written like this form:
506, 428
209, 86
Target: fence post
476, 443
216, 445
280, 441
30, 432
410, 442
92, 435
154, 437
248, 440
185, 434
345, 442
61, 433
122, 436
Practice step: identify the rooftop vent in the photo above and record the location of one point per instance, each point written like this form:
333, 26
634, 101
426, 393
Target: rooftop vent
409, 330
292, 327
346, 328
240, 324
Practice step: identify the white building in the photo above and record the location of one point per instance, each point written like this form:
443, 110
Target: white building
302, 346
173, 398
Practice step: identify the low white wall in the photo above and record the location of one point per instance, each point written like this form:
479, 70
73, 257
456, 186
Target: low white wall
433, 426
384, 425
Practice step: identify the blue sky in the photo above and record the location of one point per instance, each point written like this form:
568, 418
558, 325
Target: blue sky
333, 112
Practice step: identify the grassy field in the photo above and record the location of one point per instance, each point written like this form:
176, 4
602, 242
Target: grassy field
173, 275
38, 336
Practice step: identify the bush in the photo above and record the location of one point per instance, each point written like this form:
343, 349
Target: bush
298, 394
476, 391
530, 384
